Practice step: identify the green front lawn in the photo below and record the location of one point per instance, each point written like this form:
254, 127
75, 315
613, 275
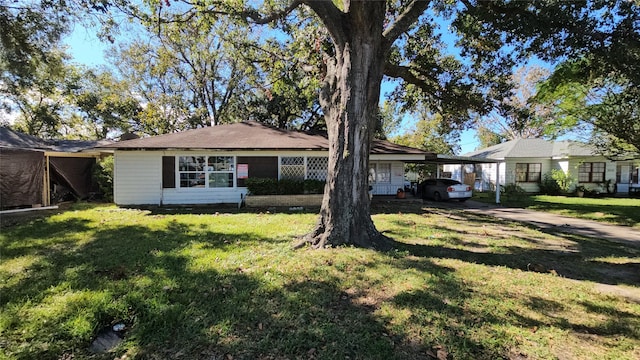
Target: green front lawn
228, 286
620, 211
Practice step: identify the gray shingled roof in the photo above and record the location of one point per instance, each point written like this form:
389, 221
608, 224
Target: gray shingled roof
534, 148
249, 135
14, 140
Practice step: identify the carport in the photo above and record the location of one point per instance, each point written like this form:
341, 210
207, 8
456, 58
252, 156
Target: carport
441, 159
31, 167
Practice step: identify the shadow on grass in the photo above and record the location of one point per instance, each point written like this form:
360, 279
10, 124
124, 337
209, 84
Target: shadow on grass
617, 214
177, 305
453, 312
174, 306
39, 236
223, 209
613, 212
571, 256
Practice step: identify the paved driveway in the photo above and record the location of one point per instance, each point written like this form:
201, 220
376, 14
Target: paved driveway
552, 222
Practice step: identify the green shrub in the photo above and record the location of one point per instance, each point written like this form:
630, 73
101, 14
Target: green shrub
556, 182
548, 185
290, 187
564, 180
262, 186
314, 186
266, 186
103, 176
512, 192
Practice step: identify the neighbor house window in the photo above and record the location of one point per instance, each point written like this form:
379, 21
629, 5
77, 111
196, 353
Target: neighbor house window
206, 171
591, 172
526, 172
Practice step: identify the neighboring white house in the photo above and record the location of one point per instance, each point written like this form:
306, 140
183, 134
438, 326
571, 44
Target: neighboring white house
210, 165
525, 161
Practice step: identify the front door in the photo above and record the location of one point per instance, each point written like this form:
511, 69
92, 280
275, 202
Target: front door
625, 178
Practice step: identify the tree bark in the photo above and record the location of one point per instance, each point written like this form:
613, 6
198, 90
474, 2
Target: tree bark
349, 98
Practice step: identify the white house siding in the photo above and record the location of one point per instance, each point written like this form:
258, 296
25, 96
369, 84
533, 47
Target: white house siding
137, 177
203, 196
396, 162
508, 172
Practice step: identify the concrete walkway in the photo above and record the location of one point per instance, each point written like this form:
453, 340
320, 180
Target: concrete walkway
553, 222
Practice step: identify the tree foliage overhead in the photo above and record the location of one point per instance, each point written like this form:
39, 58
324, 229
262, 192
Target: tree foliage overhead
198, 69
31, 58
42, 92
103, 105
519, 115
30, 32
605, 100
289, 74
70, 101
598, 79
430, 134
189, 75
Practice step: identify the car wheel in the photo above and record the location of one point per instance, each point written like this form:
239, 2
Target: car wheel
436, 196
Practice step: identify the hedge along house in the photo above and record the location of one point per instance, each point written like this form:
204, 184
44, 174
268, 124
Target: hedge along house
526, 161
36, 172
210, 165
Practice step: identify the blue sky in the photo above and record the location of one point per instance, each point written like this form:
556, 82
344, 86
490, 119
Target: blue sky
85, 47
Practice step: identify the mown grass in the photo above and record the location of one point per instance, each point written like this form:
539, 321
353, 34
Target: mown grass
212, 286
619, 211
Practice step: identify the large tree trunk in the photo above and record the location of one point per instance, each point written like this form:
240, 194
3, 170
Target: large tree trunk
350, 101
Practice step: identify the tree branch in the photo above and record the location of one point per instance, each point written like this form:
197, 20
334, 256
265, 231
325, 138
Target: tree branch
468, 4
426, 83
410, 15
332, 18
257, 18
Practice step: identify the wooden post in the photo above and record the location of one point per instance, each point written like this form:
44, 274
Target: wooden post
47, 182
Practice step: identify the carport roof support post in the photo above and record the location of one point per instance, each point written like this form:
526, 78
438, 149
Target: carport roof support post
498, 183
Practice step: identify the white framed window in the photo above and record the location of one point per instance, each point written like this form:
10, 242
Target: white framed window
591, 172
528, 172
380, 173
206, 171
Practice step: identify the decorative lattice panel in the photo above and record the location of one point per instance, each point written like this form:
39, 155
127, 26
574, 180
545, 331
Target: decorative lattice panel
292, 167
317, 168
